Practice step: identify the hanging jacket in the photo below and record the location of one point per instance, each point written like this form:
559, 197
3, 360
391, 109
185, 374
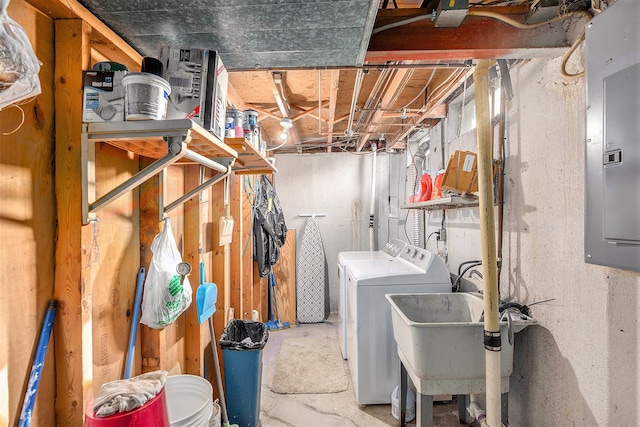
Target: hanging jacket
269, 228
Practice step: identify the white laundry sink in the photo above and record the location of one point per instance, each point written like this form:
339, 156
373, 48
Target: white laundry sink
440, 341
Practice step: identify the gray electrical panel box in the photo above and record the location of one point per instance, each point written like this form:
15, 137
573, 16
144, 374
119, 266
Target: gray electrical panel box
612, 170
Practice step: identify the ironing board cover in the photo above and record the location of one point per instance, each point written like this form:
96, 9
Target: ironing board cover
310, 283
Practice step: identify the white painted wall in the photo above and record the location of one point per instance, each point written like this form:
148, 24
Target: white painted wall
580, 365
334, 184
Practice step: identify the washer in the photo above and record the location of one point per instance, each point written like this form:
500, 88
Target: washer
392, 249
373, 356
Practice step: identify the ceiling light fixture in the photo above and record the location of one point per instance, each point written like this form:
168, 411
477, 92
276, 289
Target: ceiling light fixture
286, 124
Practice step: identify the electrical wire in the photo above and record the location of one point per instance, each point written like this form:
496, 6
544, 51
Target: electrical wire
470, 264
567, 55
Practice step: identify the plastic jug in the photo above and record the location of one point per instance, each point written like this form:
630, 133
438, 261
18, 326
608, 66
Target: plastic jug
426, 186
410, 412
437, 188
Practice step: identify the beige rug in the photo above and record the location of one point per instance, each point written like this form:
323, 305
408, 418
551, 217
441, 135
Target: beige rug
309, 366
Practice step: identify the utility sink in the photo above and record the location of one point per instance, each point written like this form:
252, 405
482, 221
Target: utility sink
440, 341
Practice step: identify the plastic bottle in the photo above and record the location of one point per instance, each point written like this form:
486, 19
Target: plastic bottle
437, 188
426, 186
410, 407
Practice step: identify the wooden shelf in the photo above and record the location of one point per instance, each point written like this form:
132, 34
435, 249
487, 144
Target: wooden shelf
249, 160
170, 142
450, 202
147, 137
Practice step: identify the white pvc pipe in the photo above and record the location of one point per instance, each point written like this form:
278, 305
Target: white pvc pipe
477, 413
372, 246
488, 243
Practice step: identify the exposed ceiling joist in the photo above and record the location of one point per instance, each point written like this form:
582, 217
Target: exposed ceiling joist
306, 112
283, 105
334, 79
479, 37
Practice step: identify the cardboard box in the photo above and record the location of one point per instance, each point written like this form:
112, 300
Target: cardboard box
461, 174
215, 107
103, 96
186, 71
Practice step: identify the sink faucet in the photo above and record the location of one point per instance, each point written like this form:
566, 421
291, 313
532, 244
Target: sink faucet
476, 272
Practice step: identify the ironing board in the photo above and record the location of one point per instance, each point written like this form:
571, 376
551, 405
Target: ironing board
310, 281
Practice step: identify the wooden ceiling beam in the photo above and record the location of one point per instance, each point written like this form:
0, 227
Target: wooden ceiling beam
478, 37
306, 112
285, 108
334, 80
103, 39
265, 113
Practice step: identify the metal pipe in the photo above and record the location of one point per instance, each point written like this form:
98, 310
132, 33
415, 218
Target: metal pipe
200, 188
492, 339
372, 246
464, 64
199, 158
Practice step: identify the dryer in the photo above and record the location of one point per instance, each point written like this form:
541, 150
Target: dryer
392, 249
373, 356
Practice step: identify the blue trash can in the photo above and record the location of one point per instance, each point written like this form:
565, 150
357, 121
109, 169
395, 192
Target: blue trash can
242, 342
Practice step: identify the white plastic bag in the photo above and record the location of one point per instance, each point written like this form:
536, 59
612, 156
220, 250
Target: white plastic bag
19, 65
165, 297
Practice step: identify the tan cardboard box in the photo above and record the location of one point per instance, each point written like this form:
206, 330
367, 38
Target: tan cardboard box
461, 174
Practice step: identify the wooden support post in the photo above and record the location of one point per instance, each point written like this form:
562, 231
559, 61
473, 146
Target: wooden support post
192, 227
247, 287
149, 227
73, 327
236, 247
219, 273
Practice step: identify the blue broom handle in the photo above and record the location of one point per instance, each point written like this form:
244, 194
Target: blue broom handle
134, 324
38, 363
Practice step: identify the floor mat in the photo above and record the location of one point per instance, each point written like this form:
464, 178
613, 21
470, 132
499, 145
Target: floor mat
309, 365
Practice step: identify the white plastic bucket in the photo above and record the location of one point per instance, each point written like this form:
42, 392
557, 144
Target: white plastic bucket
145, 96
189, 401
410, 414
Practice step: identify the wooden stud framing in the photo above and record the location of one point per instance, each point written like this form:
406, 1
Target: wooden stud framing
73, 327
192, 231
149, 227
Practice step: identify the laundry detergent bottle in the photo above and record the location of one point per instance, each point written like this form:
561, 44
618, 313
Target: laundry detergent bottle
426, 186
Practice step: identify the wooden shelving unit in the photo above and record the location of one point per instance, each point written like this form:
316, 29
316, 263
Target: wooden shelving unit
249, 160
450, 202
148, 138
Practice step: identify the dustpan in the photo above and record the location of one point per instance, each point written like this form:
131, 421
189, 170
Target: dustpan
206, 298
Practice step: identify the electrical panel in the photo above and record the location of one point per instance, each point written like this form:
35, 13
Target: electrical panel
612, 169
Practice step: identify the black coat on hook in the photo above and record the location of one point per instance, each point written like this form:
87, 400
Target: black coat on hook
269, 228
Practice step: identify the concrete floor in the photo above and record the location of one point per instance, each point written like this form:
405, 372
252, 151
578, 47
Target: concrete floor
330, 410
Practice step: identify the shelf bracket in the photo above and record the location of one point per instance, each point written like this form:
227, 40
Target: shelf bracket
164, 210
176, 134
176, 149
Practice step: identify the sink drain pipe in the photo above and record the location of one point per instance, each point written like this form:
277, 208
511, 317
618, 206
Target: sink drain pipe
492, 341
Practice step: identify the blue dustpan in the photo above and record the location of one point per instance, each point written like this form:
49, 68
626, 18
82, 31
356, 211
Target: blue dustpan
206, 298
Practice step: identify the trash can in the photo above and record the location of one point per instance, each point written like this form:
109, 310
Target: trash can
242, 342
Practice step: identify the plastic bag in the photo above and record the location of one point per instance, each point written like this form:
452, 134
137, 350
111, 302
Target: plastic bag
244, 335
166, 293
19, 65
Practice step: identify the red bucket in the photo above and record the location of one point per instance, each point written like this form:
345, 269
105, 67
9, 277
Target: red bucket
152, 413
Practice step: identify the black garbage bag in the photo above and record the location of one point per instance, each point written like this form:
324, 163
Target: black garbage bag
269, 228
244, 335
